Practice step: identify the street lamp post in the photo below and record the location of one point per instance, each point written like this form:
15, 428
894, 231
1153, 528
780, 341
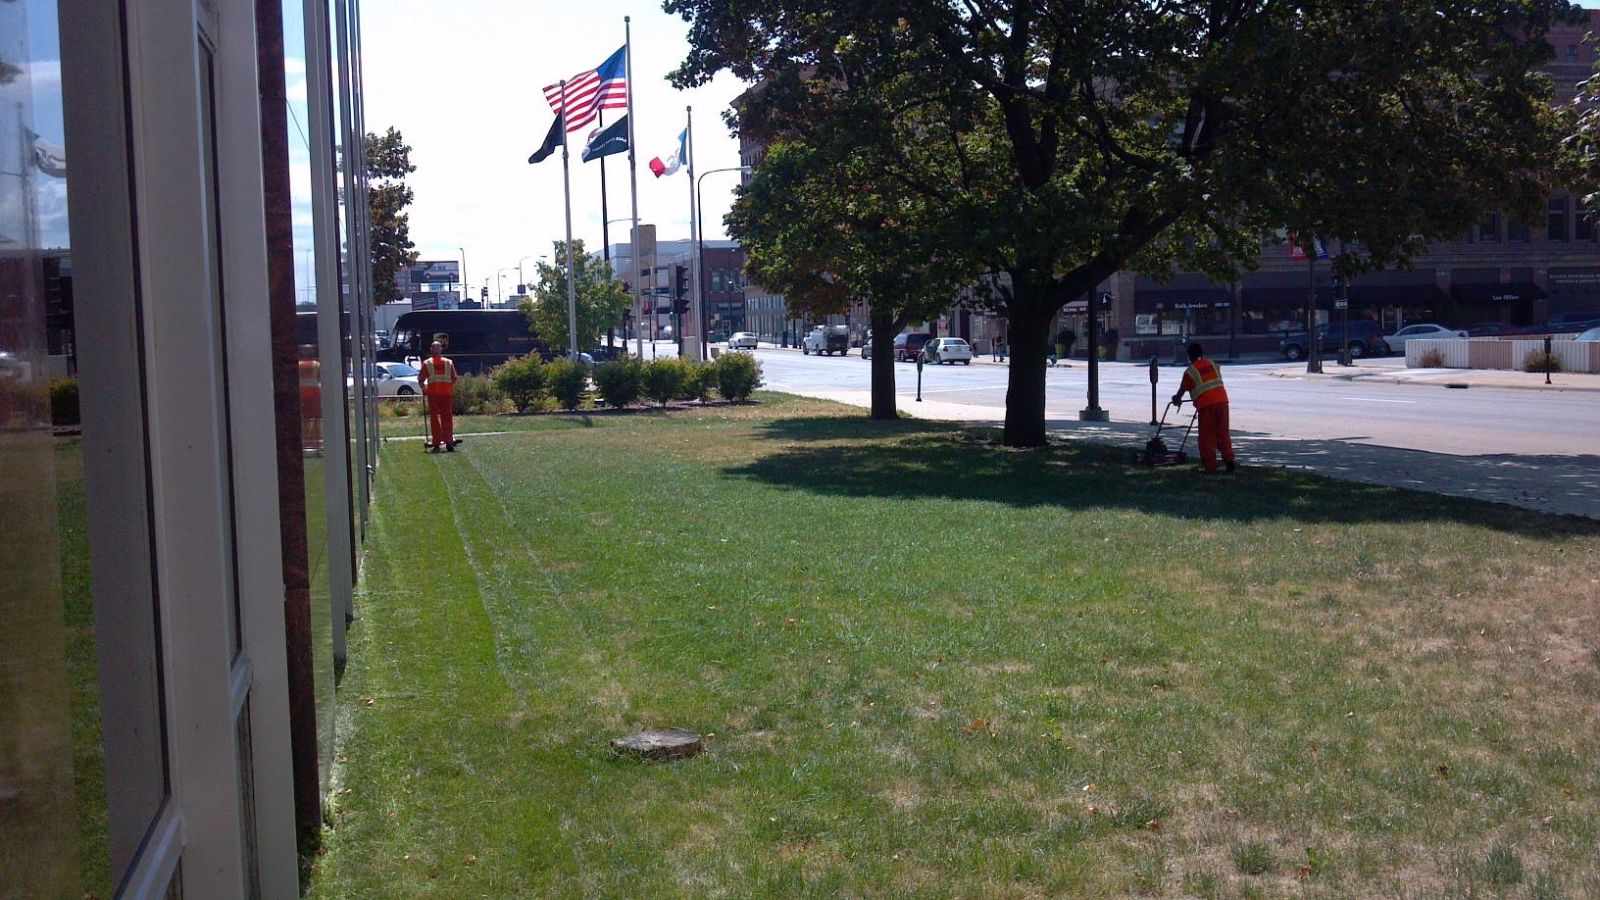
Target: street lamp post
1093, 412
700, 247
464, 287
521, 281
499, 286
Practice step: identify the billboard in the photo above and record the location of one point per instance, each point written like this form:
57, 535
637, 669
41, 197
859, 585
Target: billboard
436, 271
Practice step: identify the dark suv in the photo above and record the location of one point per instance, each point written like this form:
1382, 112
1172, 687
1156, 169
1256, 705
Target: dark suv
1366, 339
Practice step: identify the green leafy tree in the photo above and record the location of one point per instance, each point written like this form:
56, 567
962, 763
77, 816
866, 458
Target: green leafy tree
1071, 139
388, 164
822, 223
600, 299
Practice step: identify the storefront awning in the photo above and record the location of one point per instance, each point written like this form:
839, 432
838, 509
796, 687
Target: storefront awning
1282, 297
1361, 295
1180, 300
1514, 292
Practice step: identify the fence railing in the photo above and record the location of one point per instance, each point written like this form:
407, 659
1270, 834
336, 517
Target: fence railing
1504, 353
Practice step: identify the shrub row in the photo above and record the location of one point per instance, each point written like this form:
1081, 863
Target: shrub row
526, 382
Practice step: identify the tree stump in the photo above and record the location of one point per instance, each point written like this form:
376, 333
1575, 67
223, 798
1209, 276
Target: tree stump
659, 744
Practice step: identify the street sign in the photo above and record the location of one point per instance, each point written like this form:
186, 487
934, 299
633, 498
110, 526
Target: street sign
1341, 304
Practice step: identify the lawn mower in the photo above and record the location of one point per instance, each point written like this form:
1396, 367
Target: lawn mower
1155, 450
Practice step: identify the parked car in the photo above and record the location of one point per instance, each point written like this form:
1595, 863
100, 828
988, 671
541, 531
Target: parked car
1366, 339
1493, 329
1572, 321
602, 353
392, 380
948, 350
866, 347
1592, 334
1397, 341
742, 340
908, 346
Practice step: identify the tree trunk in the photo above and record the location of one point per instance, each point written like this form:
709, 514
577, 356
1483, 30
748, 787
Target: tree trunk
1029, 318
883, 329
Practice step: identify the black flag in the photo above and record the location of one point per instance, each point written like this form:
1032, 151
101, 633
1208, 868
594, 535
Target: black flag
556, 138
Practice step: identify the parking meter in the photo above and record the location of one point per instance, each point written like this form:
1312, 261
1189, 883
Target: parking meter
1547, 359
919, 377
1155, 376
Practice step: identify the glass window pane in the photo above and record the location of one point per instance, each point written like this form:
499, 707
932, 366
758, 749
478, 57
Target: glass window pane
1556, 219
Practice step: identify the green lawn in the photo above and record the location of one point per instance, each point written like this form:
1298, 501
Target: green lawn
928, 666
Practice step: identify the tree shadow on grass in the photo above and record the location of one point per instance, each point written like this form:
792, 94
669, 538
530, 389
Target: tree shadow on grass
921, 460
851, 427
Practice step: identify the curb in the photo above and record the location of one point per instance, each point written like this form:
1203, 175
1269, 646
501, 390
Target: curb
1460, 381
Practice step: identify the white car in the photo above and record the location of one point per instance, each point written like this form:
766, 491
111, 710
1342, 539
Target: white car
1397, 342
742, 340
948, 350
393, 379
1592, 334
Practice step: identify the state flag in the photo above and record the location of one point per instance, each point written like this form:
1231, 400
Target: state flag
675, 159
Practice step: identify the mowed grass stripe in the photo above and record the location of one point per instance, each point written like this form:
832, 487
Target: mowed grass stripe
935, 667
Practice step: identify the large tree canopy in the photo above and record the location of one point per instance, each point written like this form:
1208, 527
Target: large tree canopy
821, 223
600, 299
1080, 137
388, 164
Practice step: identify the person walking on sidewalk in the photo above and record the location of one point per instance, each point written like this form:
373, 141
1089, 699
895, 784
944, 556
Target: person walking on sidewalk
439, 386
1203, 381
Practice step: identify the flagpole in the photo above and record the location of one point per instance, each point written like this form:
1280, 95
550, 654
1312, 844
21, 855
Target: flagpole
695, 249
633, 185
572, 265
605, 221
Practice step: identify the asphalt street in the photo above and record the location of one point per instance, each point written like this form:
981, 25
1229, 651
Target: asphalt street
1533, 448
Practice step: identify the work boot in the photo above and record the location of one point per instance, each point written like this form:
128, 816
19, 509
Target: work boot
1230, 466
450, 448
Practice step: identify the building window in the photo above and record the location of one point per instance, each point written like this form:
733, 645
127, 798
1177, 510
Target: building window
1572, 53
1516, 232
1555, 227
1583, 227
1489, 229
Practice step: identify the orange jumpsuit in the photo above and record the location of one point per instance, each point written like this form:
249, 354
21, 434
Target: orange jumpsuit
1203, 381
438, 385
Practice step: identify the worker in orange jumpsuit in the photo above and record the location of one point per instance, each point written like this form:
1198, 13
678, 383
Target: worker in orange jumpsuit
1203, 381
439, 386
310, 399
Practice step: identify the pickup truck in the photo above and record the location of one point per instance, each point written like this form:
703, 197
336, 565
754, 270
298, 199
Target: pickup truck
826, 340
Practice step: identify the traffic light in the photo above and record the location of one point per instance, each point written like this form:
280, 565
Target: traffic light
680, 289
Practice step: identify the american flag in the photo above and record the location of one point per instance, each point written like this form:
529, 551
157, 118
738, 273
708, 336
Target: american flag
594, 90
